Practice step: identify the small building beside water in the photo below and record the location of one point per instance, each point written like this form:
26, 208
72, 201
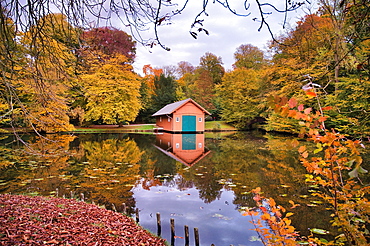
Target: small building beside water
182, 116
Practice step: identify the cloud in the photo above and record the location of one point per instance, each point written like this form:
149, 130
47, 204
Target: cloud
226, 32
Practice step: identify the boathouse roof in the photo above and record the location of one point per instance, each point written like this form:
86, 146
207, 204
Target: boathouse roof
172, 107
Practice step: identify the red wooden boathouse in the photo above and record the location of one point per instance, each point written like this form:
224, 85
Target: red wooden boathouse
182, 116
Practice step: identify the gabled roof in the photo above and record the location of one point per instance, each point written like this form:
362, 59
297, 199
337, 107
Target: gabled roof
170, 108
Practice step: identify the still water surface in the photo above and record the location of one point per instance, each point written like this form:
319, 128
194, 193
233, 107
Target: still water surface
199, 180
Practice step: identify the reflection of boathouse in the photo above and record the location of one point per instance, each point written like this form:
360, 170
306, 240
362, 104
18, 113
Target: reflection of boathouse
181, 116
185, 148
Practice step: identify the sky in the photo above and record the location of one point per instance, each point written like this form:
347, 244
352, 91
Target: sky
226, 33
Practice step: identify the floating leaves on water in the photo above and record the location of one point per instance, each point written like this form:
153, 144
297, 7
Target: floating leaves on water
303, 196
221, 217
285, 186
254, 239
313, 186
312, 205
39, 179
4, 183
85, 162
283, 195
317, 202
319, 231
175, 214
93, 177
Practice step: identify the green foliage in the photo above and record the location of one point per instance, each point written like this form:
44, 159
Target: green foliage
164, 92
240, 96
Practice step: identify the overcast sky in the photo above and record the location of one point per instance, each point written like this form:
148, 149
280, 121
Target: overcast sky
226, 33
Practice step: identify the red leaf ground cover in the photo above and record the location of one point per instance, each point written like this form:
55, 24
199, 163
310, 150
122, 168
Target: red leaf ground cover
26, 220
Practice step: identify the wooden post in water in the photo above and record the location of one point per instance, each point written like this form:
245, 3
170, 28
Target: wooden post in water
172, 222
159, 227
137, 215
114, 207
186, 228
82, 197
196, 236
124, 209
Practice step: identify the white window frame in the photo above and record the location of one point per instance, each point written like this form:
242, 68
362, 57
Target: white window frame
200, 119
177, 119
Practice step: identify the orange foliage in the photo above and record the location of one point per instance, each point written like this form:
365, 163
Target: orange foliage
150, 74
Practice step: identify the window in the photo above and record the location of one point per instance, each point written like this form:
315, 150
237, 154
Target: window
200, 145
200, 119
177, 119
169, 119
177, 145
160, 118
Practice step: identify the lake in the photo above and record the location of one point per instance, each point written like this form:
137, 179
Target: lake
199, 180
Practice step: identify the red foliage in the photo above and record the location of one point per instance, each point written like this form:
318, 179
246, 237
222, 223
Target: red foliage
110, 40
28, 220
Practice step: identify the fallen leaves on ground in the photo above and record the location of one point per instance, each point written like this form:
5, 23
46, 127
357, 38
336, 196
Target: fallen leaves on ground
26, 220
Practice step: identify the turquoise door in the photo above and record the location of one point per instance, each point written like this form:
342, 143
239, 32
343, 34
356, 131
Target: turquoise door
189, 123
188, 141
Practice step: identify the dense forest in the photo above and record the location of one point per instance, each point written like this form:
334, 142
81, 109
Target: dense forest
56, 76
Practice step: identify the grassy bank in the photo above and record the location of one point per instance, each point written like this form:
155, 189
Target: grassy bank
148, 128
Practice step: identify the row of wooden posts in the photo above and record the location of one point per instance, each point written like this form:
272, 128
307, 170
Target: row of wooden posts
159, 224
172, 223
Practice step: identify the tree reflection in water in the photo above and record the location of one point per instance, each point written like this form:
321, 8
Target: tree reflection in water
202, 180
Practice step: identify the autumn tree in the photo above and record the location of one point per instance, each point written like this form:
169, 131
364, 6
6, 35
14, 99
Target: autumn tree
213, 65
11, 60
112, 92
248, 56
184, 67
240, 96
47, 75
109, 41
199, 83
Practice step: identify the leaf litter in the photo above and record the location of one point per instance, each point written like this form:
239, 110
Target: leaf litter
26, 220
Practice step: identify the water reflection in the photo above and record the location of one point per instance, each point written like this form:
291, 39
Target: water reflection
185, 148
200, 180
